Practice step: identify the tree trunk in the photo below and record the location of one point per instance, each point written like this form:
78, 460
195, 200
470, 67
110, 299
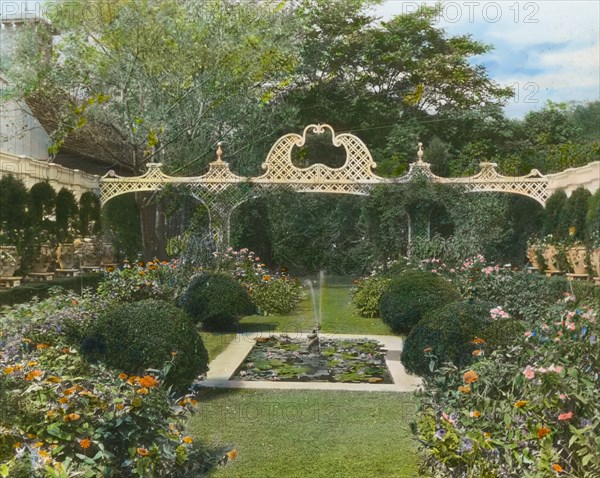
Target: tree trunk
152, 227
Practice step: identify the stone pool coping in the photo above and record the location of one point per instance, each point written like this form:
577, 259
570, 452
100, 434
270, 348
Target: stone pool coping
226, 363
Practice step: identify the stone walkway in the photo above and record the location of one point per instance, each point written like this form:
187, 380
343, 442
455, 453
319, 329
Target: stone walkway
226, 363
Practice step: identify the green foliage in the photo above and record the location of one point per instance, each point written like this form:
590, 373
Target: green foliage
555, 219
144, 280
367, 294
42, 203
66, 215
576, 210
408, 297
140, 335
215, 300
13, 204
592, 219
121, 223
276, 295
521, 294
539, 391
62, 418
445, 334
503, 332
89, 214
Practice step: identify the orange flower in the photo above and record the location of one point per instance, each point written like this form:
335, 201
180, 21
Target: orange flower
72, 417
266, 278
542, 432
33, 363
475, 414
66, 350
521, 403
174, 353
232, 454
187, 440
70, 390
42, 346
85, 443
133, 379
465, 389
123, 376
148, 381
142, 391
477, 353
39, 444
51, 413
142, 452
120, 406
565, 416
478, 341
63, 400
33, 375
556, 467
470, 377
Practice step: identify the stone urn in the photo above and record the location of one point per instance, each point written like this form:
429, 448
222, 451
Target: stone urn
89, 253
550, 254
9, 261
43, 259
65, 255
108, 254
595, 259
576, 256
532, 256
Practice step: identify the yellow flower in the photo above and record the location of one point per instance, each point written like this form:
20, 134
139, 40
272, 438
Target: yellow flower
53, 379
142, 452
9, 370
69, 391
72, 417
63, 400
51, 413
187, 440
478, 341
38, 444
33, 375
470, 377
85, 443
142, 391
123, 376
17, 445
465, 389
475, 414
572, 230
542, 432
42, 346
33, 363
232, 454
521, 403
120, 406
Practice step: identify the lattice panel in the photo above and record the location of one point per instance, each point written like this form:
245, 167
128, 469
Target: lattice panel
351, 178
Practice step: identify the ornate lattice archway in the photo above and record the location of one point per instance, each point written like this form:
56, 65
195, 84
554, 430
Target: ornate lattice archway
222, 191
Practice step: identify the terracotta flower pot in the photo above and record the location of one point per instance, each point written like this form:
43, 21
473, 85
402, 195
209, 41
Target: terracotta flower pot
9, 261
550, 254
595, 258
532, 256
44, 258
576, 256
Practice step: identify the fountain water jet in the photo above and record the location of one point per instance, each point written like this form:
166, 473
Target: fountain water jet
313, 338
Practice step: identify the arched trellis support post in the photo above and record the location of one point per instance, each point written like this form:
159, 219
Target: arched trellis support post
222, 191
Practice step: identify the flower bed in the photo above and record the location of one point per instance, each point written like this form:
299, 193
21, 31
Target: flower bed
285, 359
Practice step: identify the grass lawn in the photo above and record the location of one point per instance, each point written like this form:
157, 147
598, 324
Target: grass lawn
339, 317
317, 434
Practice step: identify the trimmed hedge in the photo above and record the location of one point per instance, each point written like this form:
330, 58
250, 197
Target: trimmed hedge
367, 294
503, 332
28, 291
217, 301
135, 336
411, 295
449, 332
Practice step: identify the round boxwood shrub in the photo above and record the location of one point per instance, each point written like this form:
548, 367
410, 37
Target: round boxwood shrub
445, 335
502, 332
409, 296
217, 301
136, 336
366, 295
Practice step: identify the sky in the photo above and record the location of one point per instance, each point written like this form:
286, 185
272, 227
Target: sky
545, 50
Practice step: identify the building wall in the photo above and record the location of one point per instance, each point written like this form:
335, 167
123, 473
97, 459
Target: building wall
570, 179
31, 171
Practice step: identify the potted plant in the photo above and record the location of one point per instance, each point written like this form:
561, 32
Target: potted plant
9, 261
550, 252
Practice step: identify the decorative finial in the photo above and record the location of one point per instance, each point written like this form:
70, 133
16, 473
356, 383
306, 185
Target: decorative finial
420, 153
219, 152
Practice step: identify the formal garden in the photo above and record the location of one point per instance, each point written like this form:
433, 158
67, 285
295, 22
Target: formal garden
220, 317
